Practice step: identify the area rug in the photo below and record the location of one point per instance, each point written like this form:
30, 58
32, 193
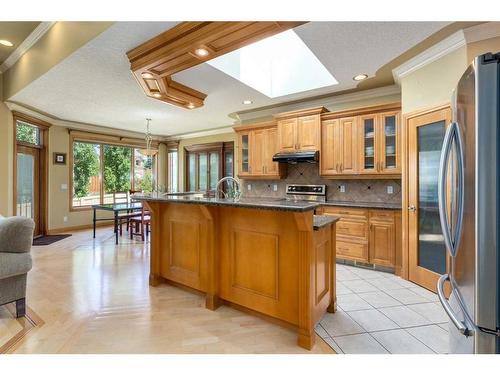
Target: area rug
13, 330
47, 240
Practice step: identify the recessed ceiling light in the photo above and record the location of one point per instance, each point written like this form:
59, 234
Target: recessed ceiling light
248, 101
146, 75
360, 77
6, 43
202, 52
157, 95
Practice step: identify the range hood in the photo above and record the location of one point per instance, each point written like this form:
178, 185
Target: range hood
297, 157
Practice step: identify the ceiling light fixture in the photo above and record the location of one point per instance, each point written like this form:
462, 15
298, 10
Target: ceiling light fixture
6, 43
360, 77
246, 102
202, 52
148, 139
190, 105
146, 75
157, 95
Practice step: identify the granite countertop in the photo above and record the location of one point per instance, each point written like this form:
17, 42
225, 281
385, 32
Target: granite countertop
320, 221
260, 203
382, 205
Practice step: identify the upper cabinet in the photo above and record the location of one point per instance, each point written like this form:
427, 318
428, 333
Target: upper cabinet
299, 130
364, 142
257, 143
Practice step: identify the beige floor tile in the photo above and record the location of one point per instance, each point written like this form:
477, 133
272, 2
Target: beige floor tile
404, 316
360, 344
433, 336
339, 324
399, 341
372, 320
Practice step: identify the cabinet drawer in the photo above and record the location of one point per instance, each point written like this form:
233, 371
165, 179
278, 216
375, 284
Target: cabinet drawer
347, 212
351, 250
382, 215
356, 229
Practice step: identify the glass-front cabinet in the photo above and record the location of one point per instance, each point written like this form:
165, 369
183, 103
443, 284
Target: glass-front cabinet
379, 143
244, 142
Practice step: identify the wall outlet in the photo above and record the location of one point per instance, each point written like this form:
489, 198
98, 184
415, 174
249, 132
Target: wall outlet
64, 186
275, 187
65, 219
249, 187
390, 189
342, 188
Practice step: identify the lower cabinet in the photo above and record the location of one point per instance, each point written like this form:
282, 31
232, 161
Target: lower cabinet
367, 235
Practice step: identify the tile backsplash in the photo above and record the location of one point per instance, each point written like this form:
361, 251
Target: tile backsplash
361, 190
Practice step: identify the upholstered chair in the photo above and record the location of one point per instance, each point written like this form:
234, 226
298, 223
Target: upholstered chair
16, 238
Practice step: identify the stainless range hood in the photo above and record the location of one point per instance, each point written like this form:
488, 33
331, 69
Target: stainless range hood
297, 157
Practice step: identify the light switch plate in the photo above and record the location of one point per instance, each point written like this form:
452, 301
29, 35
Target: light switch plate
64, 186
390, 189
249, 187
275, 187
342, 188
65, 219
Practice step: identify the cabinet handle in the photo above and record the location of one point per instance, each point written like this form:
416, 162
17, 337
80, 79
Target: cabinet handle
337, 167
341, 167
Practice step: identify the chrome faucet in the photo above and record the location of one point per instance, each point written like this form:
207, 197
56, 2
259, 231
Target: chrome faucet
234, 192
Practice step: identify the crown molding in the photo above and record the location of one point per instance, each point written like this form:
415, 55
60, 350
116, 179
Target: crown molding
482, 31
27, 43
438, 50
203, 133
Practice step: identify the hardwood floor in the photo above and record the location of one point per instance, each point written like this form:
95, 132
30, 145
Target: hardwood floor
94, 298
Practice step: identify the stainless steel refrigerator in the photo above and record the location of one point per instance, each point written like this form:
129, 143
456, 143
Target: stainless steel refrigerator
469, 192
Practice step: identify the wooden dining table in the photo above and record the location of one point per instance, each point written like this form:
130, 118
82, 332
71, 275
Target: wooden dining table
116, 208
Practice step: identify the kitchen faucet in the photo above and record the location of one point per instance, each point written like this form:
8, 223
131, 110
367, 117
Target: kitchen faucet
234, 192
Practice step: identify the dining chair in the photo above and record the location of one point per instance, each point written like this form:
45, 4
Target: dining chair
140, 225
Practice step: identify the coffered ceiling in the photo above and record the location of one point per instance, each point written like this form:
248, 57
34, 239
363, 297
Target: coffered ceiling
95, 85
15, 32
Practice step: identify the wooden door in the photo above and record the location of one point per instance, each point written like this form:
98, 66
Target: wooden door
270, 143
382, 243
428, 257
389, 148
28, 185
348, 146
244, 150
287, 135
258, 148
330, 143
308, 133
367, 138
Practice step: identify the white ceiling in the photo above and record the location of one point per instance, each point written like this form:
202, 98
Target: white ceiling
94, 85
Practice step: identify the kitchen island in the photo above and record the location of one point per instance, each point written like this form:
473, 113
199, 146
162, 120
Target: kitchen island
269, 256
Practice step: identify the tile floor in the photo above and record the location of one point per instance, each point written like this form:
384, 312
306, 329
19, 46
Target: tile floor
381, 313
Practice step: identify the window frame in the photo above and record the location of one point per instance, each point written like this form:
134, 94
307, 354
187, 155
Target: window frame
105, 140
172, 148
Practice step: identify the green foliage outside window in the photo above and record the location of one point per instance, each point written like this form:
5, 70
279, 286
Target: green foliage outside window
27, 133
117, 167
85, 165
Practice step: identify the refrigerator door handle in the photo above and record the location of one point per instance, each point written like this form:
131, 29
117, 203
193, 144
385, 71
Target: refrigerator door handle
449, 311
452, 137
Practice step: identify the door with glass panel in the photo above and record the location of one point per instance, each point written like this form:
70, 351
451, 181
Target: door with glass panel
428, 258
28, 184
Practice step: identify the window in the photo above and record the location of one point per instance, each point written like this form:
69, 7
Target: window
206, 164
26, 133
173, 170
103, 173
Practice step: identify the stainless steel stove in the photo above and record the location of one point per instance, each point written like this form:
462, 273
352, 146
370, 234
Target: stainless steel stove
295, 192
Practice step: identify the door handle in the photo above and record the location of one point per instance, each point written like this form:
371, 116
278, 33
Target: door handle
447, 308
452, 240
412, 208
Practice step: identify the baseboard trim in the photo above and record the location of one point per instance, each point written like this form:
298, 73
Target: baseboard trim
77, 228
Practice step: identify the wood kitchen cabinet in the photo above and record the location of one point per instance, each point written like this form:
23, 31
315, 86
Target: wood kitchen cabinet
361, 143
257, 143
367, 235
299, 130
339, 141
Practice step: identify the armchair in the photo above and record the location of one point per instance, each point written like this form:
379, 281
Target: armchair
16, 238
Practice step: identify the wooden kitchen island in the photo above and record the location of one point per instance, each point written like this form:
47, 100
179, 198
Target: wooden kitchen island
270, 256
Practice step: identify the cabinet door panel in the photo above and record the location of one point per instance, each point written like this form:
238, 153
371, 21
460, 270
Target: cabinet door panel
382, 241
368, 144
258, 146
352, 250
244, 146
330, 142
287, 135
270, 148
349, 150
389, 148
308, 133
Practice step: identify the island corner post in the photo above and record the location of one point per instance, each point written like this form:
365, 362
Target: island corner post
268, 261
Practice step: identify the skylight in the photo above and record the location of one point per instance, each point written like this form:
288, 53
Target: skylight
277, 66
